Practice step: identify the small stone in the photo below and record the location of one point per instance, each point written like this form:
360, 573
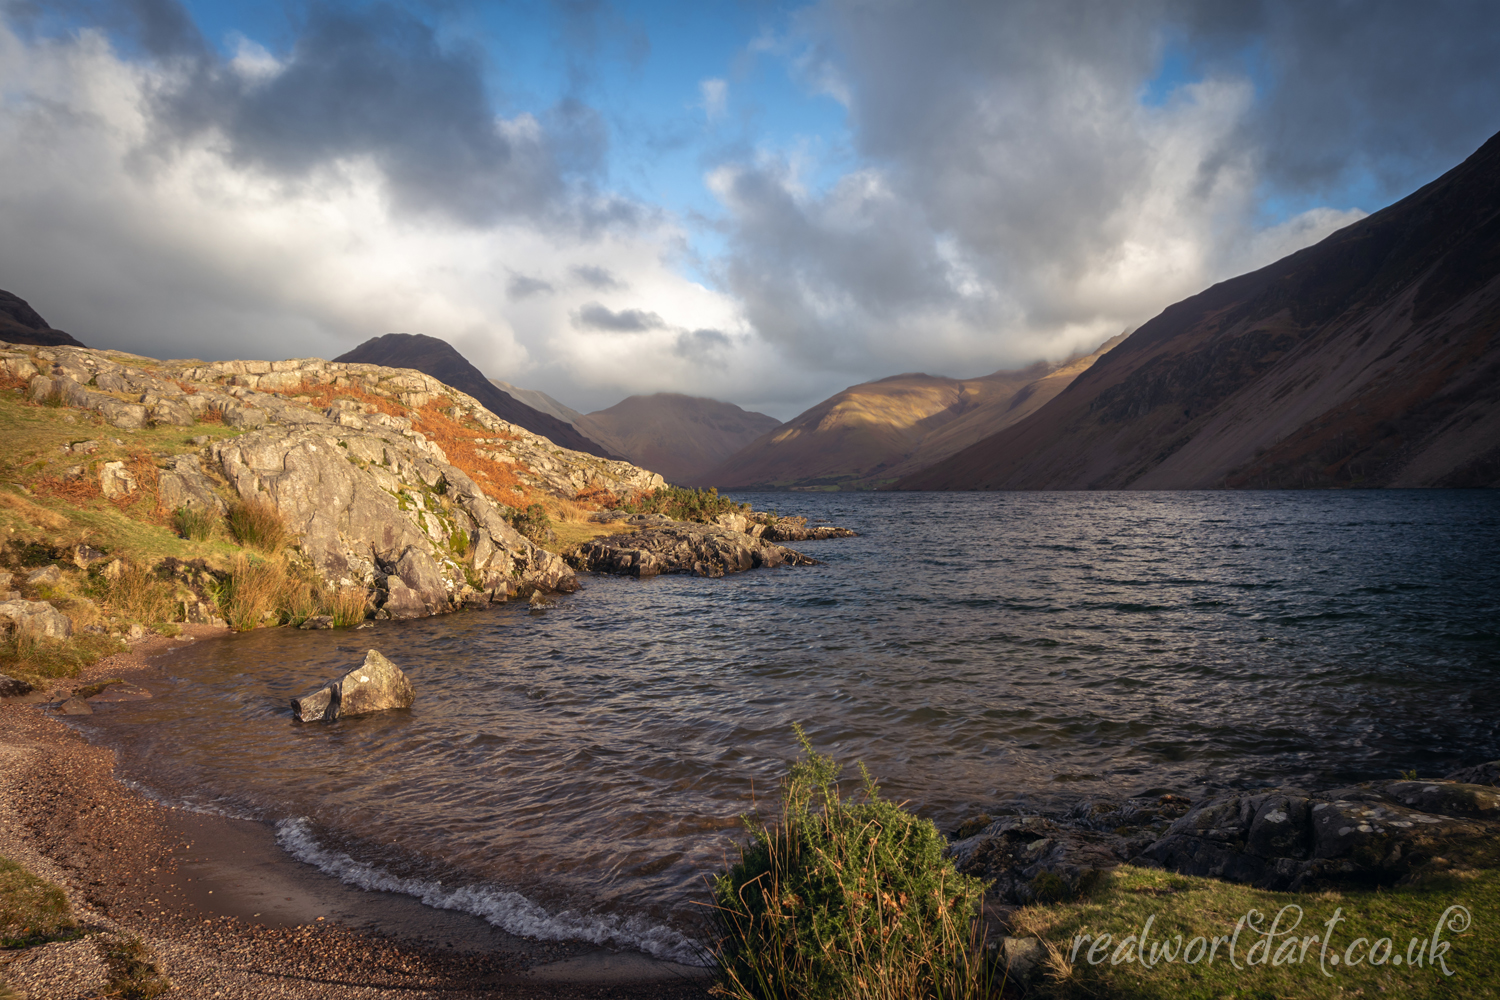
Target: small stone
75, 706
12, 688
137, 631
47, 576
317, 622
202, 439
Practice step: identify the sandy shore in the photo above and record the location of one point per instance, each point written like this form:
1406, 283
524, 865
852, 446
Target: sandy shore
226, 912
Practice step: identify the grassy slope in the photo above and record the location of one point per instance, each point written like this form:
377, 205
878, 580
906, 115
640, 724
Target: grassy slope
1198, 907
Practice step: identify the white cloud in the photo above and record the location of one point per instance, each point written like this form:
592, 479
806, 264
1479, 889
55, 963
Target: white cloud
715, 95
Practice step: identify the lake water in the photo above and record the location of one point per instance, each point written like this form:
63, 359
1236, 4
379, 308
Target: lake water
577, 773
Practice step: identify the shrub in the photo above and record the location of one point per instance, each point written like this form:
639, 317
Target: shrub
194, 523
211, 415
684, 504
534, 522
258, 524
846, 898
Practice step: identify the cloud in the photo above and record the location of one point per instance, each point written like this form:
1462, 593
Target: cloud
595, 277
597, 317
521, 287
715, 94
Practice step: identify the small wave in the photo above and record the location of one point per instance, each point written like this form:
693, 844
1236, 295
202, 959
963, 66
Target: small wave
510, 911
217, 807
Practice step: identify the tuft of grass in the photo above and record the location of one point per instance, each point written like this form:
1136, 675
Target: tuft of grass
32, 910
196, 524
258, 524
347, 605
133, 973
567, 511
254, 590
846, 898
140, 594
32, 657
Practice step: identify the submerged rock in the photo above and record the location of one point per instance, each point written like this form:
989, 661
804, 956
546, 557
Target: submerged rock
374, 686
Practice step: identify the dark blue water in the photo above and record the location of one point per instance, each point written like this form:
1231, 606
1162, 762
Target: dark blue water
575, 773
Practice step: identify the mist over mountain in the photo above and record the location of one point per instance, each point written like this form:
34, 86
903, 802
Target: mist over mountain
1369, 359
439, 359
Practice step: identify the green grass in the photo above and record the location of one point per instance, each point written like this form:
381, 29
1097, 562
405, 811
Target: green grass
133, 973
1264, 964
32, 910
846, 898
42, 659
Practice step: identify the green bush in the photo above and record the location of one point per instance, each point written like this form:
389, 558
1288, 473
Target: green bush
846, 898
685, 504
534, 522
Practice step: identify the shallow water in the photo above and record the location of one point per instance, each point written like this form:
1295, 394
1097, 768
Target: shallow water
577, 773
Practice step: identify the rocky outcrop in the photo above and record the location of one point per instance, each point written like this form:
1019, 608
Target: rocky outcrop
35, 618
1282, 839
660, 545
370, 499
376, 685
10, 687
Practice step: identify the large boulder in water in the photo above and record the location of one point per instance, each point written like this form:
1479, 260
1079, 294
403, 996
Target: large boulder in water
374, 686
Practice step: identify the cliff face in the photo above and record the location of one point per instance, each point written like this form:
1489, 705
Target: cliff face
682, 437
871, 434
438, 358
388, 478
1370, 359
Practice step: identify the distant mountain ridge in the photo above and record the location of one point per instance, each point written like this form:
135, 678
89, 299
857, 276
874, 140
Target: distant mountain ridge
682, 437
871, 434
1369, 359
21, 324
439, 359
540, 401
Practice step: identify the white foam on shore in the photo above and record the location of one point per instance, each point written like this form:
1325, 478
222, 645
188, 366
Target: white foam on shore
510, 911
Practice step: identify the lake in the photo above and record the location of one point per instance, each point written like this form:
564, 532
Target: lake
576, 774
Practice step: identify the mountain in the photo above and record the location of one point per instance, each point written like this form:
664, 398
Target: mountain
20, 324
539, 401
1369, 359
437, 358
682, 437
869, 435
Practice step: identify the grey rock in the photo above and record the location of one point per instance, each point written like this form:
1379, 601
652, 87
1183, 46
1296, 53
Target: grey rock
85, 556
116, 480
170, 412
1479, 774
1447, 798
317, 622
75, 706
47, 576
184, 484
1031, 858
375, 686
10, 687
35, 618
681, 547
1023, 959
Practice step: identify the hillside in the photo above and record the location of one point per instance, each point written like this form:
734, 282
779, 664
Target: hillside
1370, 359
438, 358
682, 437
539, 401
869, 435
21, 324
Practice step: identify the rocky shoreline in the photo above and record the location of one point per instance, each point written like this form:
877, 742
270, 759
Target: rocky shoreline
1376, 833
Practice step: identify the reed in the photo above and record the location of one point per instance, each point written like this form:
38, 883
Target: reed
253, 591
141, 595
346, 605
258, 524
196, 524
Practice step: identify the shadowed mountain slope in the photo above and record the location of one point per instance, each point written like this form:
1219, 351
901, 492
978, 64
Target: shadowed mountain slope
871, 434
1369, 359
20, 324
539, 401
682, 437
437, 358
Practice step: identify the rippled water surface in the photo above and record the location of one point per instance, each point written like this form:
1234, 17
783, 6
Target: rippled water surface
576, 773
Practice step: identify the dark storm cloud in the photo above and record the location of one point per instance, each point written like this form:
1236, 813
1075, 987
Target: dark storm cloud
1401, 91
376, 83
595, 316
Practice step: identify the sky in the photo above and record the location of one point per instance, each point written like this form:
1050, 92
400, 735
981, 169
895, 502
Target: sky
758, 202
